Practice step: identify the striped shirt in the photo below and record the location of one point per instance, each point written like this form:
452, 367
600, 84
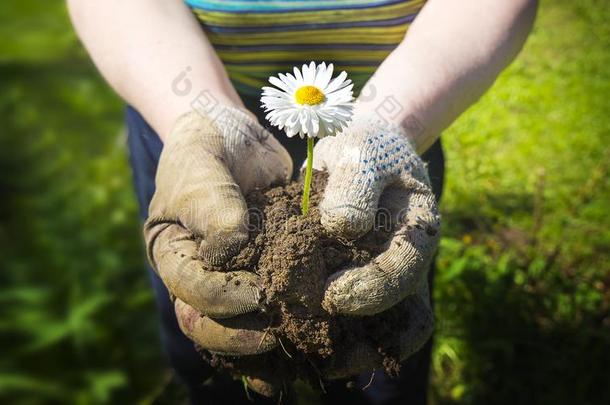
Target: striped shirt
259, 38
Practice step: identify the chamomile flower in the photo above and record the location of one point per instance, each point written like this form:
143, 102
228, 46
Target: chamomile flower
309, 103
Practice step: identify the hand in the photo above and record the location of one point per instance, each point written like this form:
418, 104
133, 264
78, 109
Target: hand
197, 219
372, 165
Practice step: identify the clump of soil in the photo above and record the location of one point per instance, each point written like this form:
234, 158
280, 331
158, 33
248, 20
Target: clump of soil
294, 256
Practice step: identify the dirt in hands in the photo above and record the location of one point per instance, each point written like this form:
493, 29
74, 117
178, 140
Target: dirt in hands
294, 255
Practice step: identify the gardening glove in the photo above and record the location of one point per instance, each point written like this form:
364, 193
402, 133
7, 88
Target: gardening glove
369, 160
198, 219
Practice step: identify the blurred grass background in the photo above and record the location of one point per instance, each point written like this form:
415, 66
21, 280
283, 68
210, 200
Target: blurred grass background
523, 284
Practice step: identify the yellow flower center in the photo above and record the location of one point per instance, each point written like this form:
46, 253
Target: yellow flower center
310, 95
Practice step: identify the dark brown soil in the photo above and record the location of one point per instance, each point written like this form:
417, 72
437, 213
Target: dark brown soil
294, 255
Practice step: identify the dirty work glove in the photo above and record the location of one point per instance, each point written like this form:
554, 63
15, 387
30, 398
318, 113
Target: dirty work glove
197, 218
373, 164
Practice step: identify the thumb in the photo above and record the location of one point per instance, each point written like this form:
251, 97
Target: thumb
360, 167
350, 202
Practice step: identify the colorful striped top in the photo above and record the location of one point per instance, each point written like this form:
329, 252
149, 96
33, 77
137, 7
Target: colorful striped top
259, 38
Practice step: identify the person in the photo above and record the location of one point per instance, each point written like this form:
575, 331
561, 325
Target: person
416, 67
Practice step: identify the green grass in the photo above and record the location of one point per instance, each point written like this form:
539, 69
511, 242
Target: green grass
524, 273
523, 284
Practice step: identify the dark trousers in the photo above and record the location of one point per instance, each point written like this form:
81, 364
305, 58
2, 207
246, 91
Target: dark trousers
410, 387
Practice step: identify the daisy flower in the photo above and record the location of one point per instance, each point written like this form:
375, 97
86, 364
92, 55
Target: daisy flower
310, 104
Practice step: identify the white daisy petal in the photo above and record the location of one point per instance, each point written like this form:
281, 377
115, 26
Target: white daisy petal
303, 118
272, 91
338, 82
319, 72
323, 78
298, 75
309, 73
345, 90
315, 124
289, 80
304, 72
279, 83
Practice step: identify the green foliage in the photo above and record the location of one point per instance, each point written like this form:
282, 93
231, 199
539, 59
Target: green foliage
523, 282
523, 286
77, 323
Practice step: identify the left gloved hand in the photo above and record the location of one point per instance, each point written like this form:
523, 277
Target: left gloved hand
372, 165
198, 219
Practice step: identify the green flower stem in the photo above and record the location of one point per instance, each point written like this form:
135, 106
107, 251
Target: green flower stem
308, 172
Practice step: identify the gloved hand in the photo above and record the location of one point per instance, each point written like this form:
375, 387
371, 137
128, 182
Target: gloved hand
372, 165
198, 218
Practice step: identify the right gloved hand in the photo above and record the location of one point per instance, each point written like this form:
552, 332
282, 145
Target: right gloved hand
198, 217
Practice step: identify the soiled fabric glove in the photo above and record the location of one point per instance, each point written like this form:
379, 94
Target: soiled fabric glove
198, 218
369, 160
372, 167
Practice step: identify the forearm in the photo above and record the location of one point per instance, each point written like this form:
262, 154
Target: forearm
451, 55
142, 47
